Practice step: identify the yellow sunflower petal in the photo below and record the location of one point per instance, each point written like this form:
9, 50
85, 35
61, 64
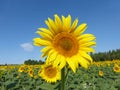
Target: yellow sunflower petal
83, 62
44, 54
53, 26
58, 21
62, 62
68, 20
72, 64
44, 35
66, 23
87, 49
41, 42
45, 51
50, 27
85, 55
57, 61
74, 25
52, 56
46, 31
87, 40
85, 36
88, 44
63, 19
80, 29
75, 60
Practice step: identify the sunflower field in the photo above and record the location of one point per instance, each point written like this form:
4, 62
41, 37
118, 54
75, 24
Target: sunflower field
68, 66
103, 75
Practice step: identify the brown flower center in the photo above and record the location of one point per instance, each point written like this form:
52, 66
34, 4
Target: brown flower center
66, 44
50, 71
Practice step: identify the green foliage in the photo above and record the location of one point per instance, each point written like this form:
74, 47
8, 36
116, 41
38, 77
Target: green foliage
103, 56
33, 62
83, 79
14, 80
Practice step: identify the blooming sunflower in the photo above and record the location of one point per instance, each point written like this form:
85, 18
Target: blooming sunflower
31, 72
101, 73
22, 68
116, 68
50, 73
64, 42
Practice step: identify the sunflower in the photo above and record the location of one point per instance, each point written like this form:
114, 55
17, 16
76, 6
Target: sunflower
31, 72
116, 68
64, 42
101, 73
22, 68
50, 73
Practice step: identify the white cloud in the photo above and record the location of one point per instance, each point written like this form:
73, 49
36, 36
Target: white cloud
27, 47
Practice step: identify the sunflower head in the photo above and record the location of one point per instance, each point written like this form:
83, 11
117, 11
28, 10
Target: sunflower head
31, 72
64, 42
101, 73
22, 68
116, 68
50, 73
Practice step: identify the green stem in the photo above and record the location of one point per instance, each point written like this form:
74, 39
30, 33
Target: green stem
66, 73
63, 79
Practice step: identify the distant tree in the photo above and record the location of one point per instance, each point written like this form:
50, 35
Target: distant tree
33, 62
103, 56
41, 62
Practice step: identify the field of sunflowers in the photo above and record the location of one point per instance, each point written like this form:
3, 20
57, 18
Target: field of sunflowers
103, 75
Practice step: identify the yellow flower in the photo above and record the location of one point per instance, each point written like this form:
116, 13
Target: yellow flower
18, 77
35, 76
64, 42
50, 73
116, 68
101, 73
31, 72
21, 69
98, 64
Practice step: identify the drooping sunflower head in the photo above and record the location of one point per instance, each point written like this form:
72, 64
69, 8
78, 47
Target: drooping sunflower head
50, 73
64, 42
31, 72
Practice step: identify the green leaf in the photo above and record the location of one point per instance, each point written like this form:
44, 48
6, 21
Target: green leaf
47, 86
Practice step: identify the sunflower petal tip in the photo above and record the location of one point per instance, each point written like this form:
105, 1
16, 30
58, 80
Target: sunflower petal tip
74, 71
85, 24
69, 15
36, 31
55, 15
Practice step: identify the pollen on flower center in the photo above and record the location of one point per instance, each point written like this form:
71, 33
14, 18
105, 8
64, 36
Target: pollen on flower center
66, 44
50, 71
116, 68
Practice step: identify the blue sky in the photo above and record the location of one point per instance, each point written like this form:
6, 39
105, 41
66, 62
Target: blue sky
19, 20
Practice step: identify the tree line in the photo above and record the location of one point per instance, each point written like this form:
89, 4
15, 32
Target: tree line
109, 55
33, 62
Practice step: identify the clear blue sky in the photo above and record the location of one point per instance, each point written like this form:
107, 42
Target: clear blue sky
19, 20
